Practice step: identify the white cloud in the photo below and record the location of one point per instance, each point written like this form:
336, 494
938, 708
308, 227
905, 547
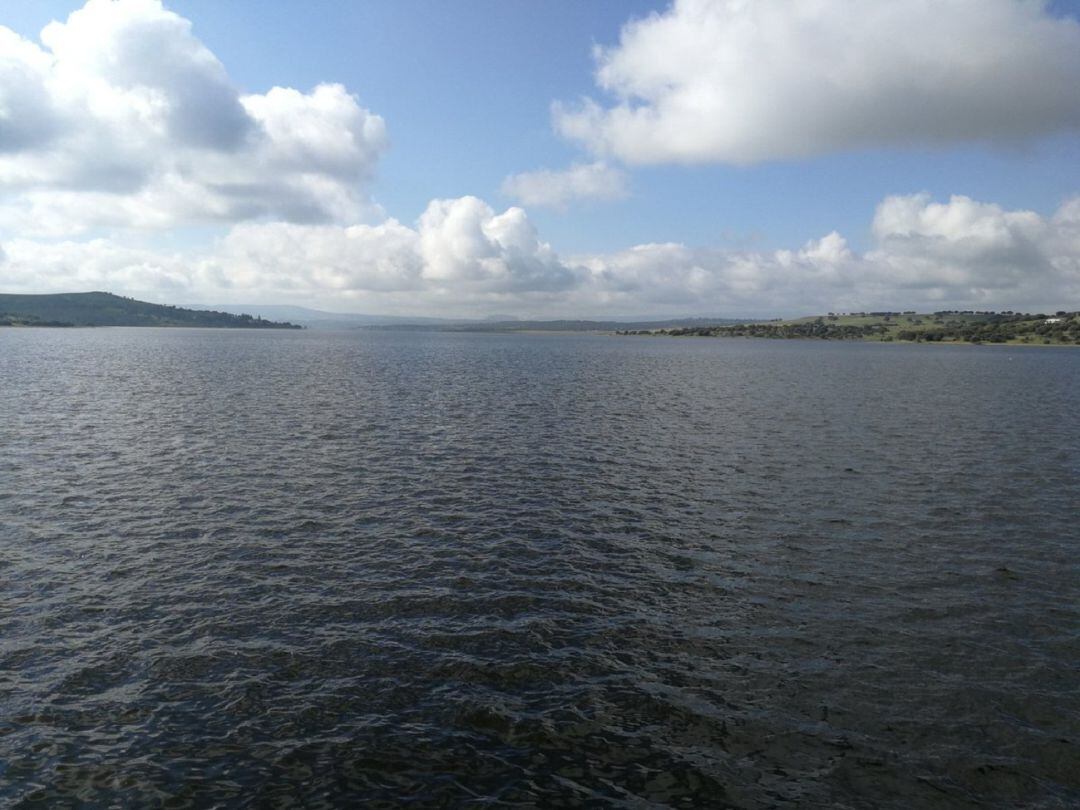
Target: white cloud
466, 246
671, 278
135, 57
963, 245
464, 259
324, 131
97, 264
741, 82
326, 259
24, 118
555, 189
122, 118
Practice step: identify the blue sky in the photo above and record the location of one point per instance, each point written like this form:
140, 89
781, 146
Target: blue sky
465, 91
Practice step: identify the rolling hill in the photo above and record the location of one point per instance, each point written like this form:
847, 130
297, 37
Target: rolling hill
106, 309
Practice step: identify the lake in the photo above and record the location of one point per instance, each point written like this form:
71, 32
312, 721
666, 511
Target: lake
243, 568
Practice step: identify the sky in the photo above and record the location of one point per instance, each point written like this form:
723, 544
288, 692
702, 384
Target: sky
545, 160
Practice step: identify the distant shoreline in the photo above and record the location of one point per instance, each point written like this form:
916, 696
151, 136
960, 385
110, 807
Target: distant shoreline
860, 341
72, 310
947, 327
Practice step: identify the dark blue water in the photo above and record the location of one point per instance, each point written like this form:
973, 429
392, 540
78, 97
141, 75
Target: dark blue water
240, 568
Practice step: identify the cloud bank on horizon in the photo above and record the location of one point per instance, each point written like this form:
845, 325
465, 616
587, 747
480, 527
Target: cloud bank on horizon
120, 124
462, 258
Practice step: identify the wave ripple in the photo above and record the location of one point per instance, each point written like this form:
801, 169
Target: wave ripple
462, 570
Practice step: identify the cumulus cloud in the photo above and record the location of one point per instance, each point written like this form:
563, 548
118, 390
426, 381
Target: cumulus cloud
465, 245
741, 82
555, 189
672, 278
964, 245
959, 254
26, 114
96, 264
459, 247
136, 57
121, 117
285, 257
463, 258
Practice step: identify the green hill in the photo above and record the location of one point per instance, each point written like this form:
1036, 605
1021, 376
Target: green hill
106, 309
947, 326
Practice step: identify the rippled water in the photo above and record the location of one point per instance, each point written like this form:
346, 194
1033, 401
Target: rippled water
462, 570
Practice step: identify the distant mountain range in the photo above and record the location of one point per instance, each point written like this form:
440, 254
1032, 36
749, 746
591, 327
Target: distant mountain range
569, 325
106, 309
319, 319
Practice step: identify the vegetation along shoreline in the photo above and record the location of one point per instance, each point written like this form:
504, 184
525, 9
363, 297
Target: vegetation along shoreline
945, 326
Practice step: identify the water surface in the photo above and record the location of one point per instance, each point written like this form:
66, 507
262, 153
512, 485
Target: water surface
239, 568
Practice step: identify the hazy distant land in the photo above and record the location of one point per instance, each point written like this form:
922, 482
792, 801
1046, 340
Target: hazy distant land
106, 309
563, 325
946, 326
